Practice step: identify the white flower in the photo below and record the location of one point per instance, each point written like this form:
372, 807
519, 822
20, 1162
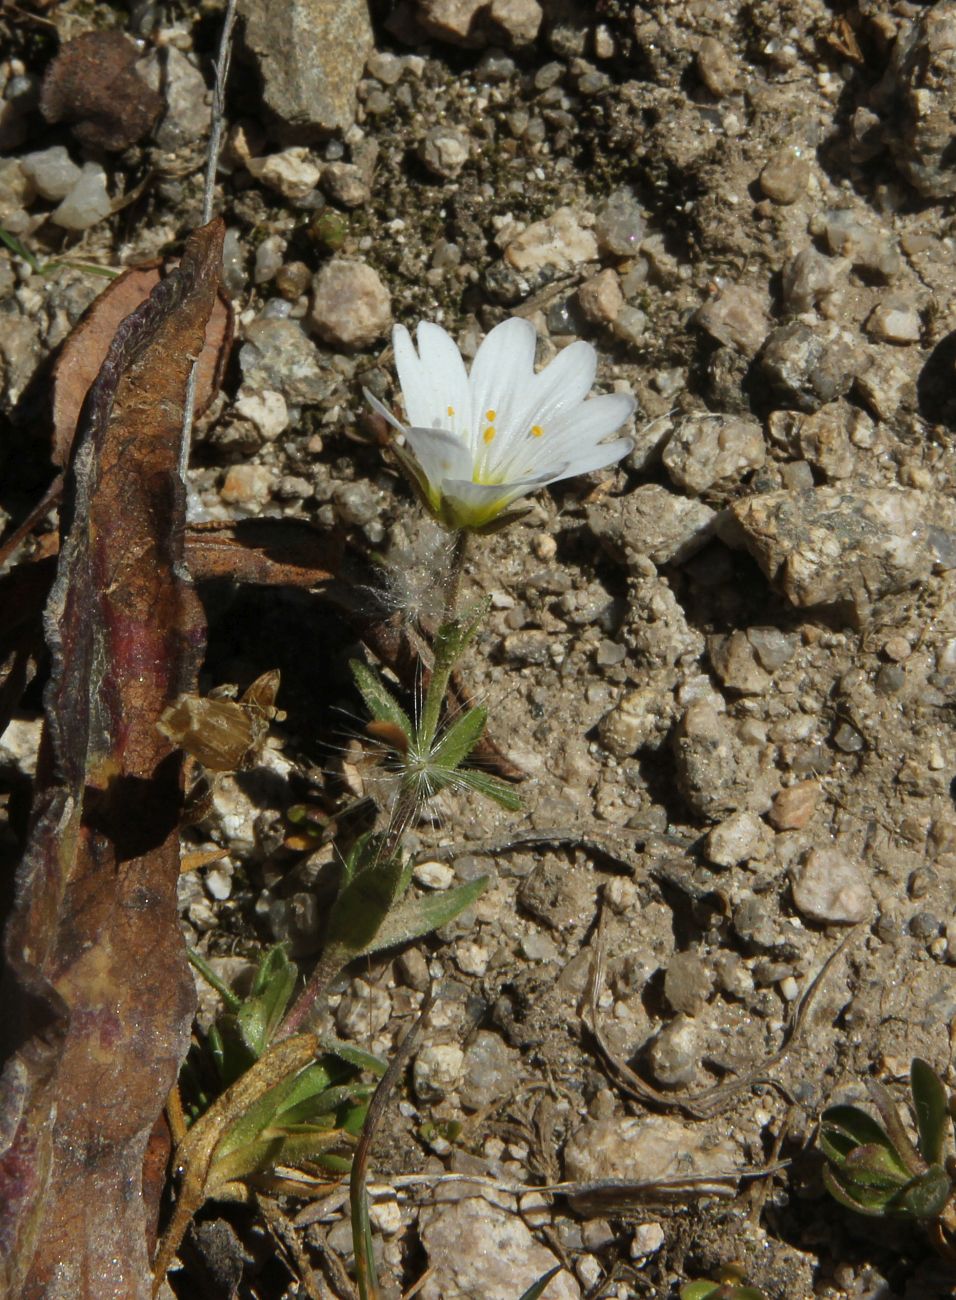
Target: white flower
477, 442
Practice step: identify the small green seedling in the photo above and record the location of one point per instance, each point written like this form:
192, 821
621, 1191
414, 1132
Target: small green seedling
46, 268
875, 1168
729, 1286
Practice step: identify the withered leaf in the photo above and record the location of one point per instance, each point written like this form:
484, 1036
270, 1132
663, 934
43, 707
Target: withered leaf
224, 735
85, 349
97, 993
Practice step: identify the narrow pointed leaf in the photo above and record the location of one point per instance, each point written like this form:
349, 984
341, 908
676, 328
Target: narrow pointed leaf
895, 1129
844, 1127
926, 1196
930, 1105
460, 739
417, 916
537, 1288
353, 1055
379, 700
492, 787
699, 1290
364, 904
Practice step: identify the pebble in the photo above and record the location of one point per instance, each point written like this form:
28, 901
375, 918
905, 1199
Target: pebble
687, 983
737, 839
786, 176
738, 317
249, 486
824, 439
491, 1071
829, 888
87, 202
434, 875
52, 172
217, 882
364, 1010
600, 298
640, 721
705, 449
476, 1249
186, 119
716, 68
810, 278
279, 356
648, 1147
883, 384
559, 243
794, 806
653, 523
351, 307
293, 173
346, 184
265, 408
311, 55
437, 1071
866, 246
715, 774
620, 225
922, 75
479, 22
17, 189
826, 545
735, 663
894, 324
773, 648
807, 366
444, 151
268, 258
674, 1056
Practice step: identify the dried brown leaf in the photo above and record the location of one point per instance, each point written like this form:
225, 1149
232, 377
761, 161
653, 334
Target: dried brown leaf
97, 993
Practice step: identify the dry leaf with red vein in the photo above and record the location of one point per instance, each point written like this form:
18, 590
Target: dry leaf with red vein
98, 997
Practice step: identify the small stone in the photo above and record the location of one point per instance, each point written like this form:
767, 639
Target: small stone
827, 545
265, 408
413, 970
52, 171
268, 259
882, 383
492, 1070
737, 839
558, 243
444, 151
478, 22
735, 663
867, 247
87, 202
293, 173
351, 307
653, 523
186, 119
292, 280
786, 176
647, 1147
810, 278
647, 1240
894, 324
824, 439
529, 646
620, 224
772, 647
847, 739
716, 68
687, 983
311, 55
675, 1054
600, 298
829, 888
705, 449
897, 648
437, 1071
793, 807
247, 485
716, 774
365, 1009
641, 720
808, 366
922, 76
277, 355
434, 875
346, 184
476, 1249
16, 188
218, 882
738, 317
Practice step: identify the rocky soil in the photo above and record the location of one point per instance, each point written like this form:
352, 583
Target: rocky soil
727, 667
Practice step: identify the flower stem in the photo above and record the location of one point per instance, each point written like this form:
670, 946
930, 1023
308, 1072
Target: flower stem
456, 568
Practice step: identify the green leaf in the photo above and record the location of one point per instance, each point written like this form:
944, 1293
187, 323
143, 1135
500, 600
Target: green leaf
853, 1126
505, 795
862, 1200
899, 1138
459, 739
417, 916
352, 1055
379, 700
699, 1290
261, 1014
537, 1288
930, 1105
874, 1166
926, 1196
21, 250
363, 904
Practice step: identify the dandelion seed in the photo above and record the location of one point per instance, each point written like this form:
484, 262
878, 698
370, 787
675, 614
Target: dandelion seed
476, 443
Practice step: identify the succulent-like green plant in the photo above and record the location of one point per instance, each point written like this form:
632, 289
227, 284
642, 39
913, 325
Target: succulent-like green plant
876, 1168
730, 1285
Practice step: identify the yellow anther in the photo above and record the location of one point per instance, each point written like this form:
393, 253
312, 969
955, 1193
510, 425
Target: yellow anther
489, 434
490, 417
536, 431
451, 410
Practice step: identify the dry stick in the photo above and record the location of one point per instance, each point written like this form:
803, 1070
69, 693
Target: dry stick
358, 1201
221, 73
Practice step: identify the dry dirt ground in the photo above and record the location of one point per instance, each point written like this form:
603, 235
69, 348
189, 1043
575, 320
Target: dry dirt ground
726, 667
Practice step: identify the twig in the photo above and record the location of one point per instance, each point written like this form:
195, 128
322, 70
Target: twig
217, 118
358, 1201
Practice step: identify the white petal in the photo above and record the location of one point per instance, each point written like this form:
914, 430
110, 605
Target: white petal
560, 387
416, 391
605, 453
441, 454
434, 380
381, 409
573, 437
500, 379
